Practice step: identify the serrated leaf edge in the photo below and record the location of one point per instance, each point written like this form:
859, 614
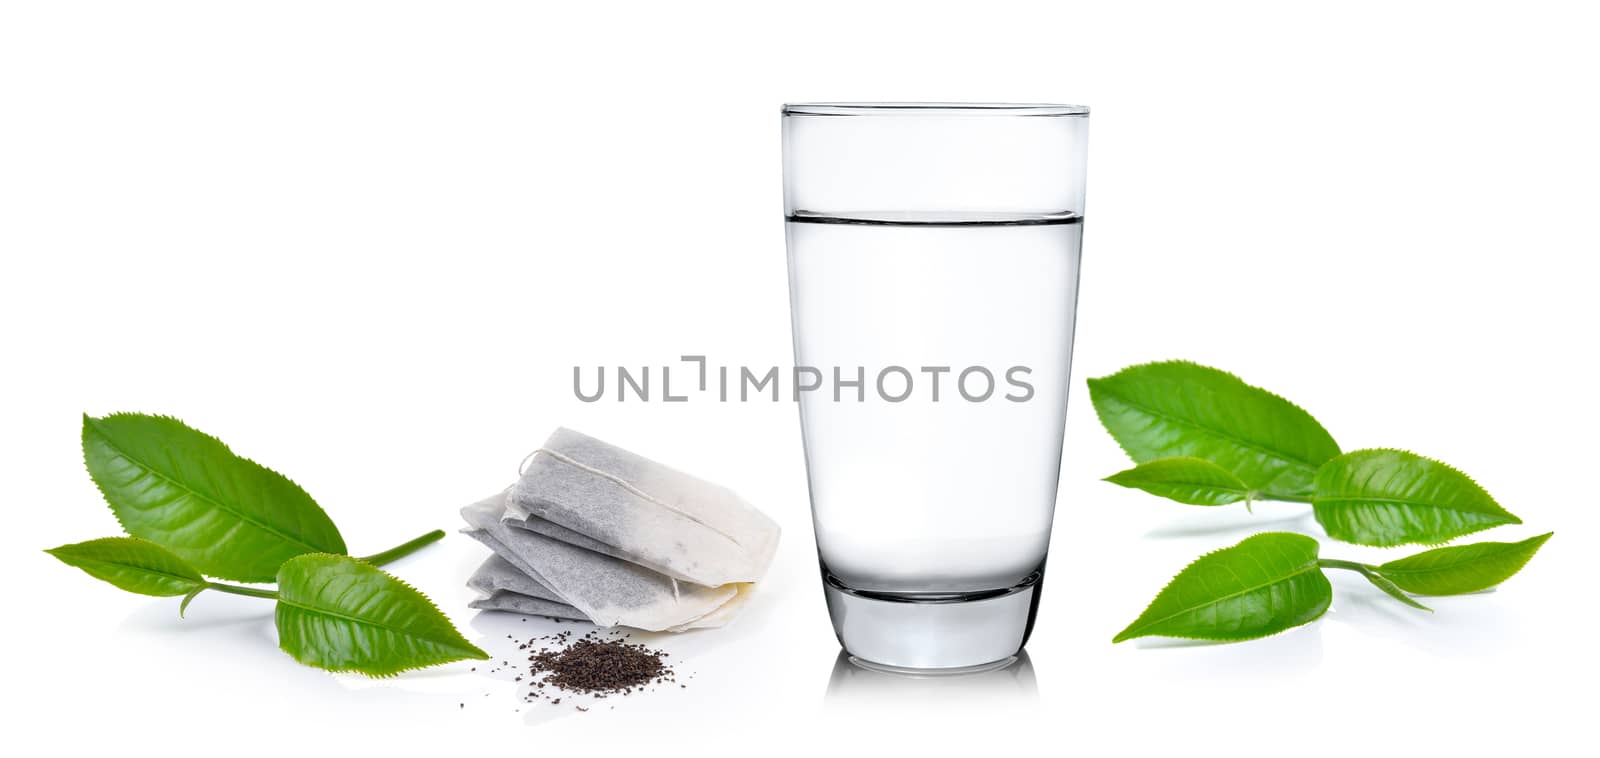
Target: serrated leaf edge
88, 420
1245, 492
1123, 635
1542, 538
1100, 382
460, 640
55, 552
1514, 519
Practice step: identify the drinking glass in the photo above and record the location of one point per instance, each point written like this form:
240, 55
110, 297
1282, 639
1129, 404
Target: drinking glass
933, 276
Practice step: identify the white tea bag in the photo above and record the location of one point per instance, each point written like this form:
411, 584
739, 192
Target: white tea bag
608, 590
723, 614
588, 493
527, 605
557, 532
497, 574
505, 587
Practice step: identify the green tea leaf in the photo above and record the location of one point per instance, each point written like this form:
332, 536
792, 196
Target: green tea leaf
1463, 568
340, 614
1261, 586
1392, 497
1182, 409
228, 516
134, 565
1194, 481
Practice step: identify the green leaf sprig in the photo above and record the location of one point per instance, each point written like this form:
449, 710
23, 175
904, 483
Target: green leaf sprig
195, 509
1274, 581
1202, 436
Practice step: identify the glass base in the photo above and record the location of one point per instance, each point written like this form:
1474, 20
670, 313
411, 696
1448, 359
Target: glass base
893, 631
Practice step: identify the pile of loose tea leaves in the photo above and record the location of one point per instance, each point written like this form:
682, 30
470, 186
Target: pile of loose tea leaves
597, 664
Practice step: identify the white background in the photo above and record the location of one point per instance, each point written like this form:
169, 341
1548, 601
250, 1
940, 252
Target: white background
365, 243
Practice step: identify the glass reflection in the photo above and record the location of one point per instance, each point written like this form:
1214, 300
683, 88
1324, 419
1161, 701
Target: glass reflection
855, 681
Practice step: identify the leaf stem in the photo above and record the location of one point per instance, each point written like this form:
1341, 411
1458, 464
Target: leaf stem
234, 589
1335, 563
394, 553
1378, 580
400, 551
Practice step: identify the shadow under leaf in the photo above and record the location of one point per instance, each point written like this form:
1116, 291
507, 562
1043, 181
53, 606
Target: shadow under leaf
1213, 525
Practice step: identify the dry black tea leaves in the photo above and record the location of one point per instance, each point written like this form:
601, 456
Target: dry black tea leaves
593, 664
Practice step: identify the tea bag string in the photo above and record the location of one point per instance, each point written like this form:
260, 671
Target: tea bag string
625, 484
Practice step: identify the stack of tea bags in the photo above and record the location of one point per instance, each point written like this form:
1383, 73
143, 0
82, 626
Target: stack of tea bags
593, 532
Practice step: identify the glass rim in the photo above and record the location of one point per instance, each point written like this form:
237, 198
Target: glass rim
933, 109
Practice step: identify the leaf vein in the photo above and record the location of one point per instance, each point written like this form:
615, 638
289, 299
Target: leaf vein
1213, 602
1280, 455
403, 633
186, 490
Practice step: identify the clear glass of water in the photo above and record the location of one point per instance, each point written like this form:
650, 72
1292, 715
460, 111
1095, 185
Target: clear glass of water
933, 278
